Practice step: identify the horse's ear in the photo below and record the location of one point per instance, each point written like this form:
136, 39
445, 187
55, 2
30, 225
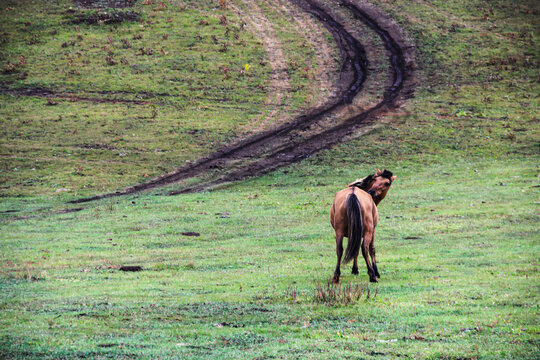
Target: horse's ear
379, 172
394, 178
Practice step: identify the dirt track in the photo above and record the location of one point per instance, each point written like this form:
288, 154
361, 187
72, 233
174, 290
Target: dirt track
308, 133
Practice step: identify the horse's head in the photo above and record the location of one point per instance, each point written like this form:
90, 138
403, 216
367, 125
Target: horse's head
381, 184
377, 185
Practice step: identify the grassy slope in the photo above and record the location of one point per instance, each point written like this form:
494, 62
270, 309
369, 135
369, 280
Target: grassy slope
467, 287
188, 63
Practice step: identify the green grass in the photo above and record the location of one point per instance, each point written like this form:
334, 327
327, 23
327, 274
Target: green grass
459, 273
457, 241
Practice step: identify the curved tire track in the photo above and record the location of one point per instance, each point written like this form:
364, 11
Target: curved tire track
282, 145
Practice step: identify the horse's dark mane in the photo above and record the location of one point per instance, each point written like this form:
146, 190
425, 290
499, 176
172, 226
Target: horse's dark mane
365, 183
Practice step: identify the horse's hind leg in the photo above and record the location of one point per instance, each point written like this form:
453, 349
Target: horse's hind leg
339, 253
373, 261
355, 266
368, 240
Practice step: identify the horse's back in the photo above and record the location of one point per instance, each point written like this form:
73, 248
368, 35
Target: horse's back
338, 212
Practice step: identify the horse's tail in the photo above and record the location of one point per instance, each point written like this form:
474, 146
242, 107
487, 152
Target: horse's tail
354, 213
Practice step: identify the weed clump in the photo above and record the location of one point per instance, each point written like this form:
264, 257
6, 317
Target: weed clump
330, 294
223, 4
15, 67
335, 295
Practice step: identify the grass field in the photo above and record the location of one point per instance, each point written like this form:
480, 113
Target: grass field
459, 273
457, 242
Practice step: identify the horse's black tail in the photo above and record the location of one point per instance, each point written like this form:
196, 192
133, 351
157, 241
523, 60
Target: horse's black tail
354, 213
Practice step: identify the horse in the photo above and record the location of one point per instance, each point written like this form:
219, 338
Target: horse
354, 215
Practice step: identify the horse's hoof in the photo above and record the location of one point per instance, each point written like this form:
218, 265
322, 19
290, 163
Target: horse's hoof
354, 271
373, 280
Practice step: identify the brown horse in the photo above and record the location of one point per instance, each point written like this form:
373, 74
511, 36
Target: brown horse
354, 215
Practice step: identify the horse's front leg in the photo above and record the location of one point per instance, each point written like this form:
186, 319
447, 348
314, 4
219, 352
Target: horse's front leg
339, 253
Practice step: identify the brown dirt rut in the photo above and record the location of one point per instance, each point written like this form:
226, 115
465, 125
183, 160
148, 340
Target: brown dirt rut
304, 136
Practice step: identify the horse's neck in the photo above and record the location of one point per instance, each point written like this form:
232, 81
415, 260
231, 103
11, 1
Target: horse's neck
378, 199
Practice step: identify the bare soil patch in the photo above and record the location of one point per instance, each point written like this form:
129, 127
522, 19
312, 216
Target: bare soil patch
130, 268
53, 95
106, 17
104, 4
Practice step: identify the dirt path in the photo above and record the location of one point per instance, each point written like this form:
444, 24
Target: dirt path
305, 135
312, 31
279, 80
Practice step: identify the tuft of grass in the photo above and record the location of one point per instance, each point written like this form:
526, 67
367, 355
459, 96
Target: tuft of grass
340, 294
